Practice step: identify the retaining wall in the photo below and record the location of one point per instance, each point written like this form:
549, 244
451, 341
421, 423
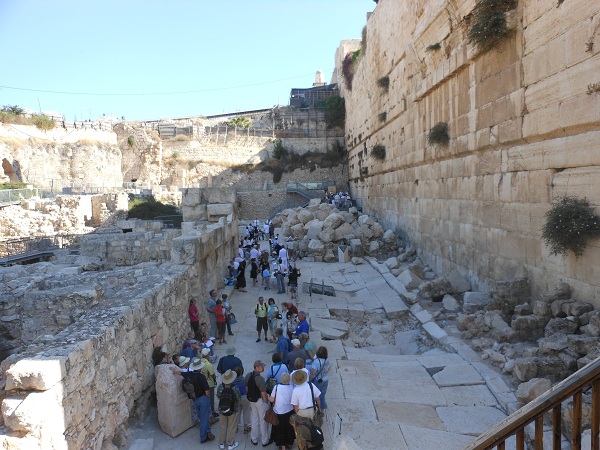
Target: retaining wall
524, 131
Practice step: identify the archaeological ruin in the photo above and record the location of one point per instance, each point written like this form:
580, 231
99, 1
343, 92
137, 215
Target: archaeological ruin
453, 151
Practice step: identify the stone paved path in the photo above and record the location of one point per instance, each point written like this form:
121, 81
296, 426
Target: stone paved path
440, 399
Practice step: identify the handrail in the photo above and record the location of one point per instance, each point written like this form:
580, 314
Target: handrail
550, 400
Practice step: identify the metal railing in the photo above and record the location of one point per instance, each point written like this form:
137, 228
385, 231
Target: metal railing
12, 247
173, 221
573, 386
16, 195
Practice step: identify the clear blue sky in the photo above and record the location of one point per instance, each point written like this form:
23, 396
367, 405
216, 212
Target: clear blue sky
226, 55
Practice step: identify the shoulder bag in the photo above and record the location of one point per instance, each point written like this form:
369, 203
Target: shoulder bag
270, 414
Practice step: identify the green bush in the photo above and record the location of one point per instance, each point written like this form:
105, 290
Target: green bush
433, 47
488, 23
384, 83
378, 152
131, 141
43, 122
149, 208
335, 111
569, 224
439, 134
382, 116
279, 151
13, 109
13, 185
240, 122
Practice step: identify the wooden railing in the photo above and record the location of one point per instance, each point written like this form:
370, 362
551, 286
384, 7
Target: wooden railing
573, 386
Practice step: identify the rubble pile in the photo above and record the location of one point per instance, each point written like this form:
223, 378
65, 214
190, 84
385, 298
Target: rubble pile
319, 228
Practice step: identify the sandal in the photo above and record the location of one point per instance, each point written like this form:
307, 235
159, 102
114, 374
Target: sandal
247, 430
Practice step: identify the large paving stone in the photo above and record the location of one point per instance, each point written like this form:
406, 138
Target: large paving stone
405, 391
472, 420
418, 438
458, 376
330, 329
478, 395
376, 435
393, 370
408, 413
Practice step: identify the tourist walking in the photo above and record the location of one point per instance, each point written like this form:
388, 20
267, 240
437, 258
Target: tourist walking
241, 276
259, 403
229, 401
230, 361
319, 374
210, 310
261, 318
194, 315
202, 401
272, 318
305, 396
227, 305
220, 314
281, 398
254, 272
293, 282
240, 382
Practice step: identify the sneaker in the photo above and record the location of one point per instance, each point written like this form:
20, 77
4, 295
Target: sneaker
268, 443
258, 340
253, 443
222, 446
210, 436
234, 445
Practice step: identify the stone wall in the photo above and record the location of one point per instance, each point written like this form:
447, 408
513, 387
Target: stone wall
76, 386
60, 158
524, 131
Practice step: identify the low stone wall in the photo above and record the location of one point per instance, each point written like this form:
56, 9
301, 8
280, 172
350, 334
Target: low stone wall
77, 389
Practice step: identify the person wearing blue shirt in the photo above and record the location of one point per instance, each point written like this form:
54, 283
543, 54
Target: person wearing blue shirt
302, 324
283, 344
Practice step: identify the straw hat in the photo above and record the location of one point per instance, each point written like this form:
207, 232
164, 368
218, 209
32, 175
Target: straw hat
197, 364
229, 376
299, 377
183, 360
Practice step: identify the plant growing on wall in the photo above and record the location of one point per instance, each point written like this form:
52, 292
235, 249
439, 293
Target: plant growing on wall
363, 40
43, 122
279, 151
382, 116
570, 223
348, 70
335, 111
488, 23
384, 83
378, 152
240, 122
131, 141
433, 47
439, 134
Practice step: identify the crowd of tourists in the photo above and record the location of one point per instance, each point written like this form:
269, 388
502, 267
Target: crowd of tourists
282, 403
341, 199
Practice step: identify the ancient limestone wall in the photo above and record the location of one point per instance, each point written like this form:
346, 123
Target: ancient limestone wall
60, 158
76, 387
524, 130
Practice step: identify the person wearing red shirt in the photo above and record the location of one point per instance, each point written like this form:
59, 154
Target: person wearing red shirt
220, 313
194, 315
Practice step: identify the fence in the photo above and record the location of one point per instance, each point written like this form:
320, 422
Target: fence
31, 245
10, 196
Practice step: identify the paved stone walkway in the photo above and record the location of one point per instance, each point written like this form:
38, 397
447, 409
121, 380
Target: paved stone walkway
378, 397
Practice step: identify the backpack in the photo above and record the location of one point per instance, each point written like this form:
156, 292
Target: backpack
188, 388
316, 437
253, 392
272, 381
227, 401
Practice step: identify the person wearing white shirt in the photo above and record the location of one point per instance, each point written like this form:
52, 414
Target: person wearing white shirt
303, 400
283, 256
282, 396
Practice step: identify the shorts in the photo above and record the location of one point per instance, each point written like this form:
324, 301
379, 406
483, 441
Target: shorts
293, 287
262, 324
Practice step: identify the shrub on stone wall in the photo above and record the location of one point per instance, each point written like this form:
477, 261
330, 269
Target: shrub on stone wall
378, 152
335, 111
279, 151
384, 83
570, 223
488, 23
43, 122
439, 135
348, 70
382, 116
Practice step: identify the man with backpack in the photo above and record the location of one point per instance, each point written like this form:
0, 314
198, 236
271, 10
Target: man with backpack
199, 392
259, 403
229, 402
